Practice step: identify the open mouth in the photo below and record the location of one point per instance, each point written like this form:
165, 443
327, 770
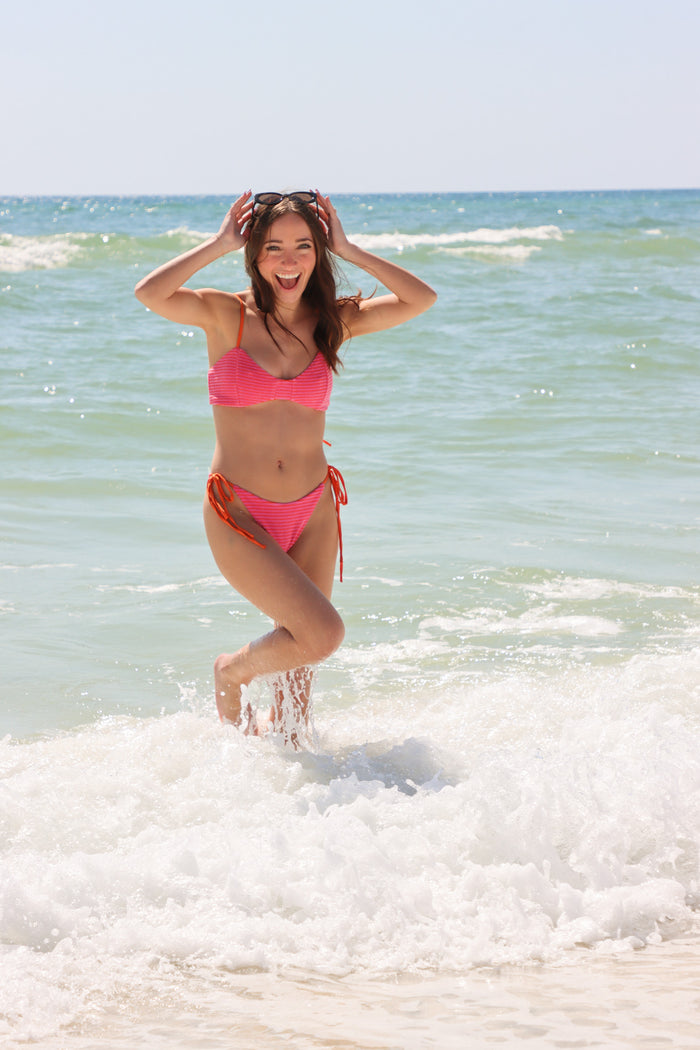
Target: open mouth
288, 280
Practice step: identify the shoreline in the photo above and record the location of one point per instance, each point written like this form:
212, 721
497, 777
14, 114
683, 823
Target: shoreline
648, 997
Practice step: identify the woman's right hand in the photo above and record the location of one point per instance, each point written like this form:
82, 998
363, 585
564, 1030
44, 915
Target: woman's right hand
232, 235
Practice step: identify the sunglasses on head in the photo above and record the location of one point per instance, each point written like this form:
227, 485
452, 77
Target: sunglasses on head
300, 196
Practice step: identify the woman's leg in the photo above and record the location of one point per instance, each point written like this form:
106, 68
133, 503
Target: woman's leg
292, 689
293, 590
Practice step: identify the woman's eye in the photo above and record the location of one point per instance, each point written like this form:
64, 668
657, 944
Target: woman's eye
278, 247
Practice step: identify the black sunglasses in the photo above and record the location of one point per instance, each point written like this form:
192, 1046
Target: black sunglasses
300, 196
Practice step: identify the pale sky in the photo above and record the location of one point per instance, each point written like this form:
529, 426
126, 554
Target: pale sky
149, 96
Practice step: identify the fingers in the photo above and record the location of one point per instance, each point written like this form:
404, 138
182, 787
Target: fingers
326, 212
241, 211
244, 205
325, 220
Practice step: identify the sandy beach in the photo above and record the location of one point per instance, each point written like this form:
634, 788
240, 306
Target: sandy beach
648, 998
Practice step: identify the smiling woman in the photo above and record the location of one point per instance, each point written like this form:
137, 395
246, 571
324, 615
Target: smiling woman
272, 512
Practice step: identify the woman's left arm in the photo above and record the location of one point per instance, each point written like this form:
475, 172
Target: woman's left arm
409, 295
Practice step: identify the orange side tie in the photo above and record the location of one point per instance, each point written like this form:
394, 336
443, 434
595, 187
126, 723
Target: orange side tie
340, 498
220, 492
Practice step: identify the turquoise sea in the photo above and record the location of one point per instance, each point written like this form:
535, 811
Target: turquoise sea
504, 775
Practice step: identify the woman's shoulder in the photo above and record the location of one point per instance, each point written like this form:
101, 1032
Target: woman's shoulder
223, 304
218, 297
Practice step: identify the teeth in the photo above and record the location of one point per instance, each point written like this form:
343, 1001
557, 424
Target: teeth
287, 276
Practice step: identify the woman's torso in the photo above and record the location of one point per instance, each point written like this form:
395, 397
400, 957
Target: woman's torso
268, 403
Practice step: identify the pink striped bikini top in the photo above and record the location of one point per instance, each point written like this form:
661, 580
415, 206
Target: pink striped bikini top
238, 381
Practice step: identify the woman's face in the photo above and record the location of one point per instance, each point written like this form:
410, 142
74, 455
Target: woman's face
287, 258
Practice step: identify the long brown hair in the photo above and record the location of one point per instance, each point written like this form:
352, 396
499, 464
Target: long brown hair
320, 292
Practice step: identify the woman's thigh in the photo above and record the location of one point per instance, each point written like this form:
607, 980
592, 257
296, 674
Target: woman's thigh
292, 589
316, 550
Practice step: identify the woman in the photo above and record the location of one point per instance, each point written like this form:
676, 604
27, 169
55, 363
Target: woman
272, 507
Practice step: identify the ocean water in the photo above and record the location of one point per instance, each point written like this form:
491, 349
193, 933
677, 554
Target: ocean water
501, 792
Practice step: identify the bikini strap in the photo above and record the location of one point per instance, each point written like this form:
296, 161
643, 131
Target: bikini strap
240, 327
340, 498
220, 493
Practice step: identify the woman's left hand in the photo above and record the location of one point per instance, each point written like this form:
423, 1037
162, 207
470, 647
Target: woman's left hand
337, 241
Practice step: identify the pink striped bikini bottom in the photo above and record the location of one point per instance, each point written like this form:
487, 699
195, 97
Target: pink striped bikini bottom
285, 522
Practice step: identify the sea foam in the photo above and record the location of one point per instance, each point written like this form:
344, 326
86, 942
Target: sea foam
483, 236
37, 253
480, 824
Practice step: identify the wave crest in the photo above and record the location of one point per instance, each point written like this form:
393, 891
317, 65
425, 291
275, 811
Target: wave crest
18, 254
460, 240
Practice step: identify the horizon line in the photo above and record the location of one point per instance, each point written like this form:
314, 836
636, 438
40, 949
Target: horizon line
357, 193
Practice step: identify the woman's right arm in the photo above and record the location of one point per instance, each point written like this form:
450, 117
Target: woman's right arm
162, 291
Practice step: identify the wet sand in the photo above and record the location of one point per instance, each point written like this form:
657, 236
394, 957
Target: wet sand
648, 998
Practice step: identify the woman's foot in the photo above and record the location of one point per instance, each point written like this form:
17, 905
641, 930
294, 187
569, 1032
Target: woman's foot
229, 690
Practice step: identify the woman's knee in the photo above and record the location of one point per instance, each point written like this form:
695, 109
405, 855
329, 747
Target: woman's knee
326, 637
